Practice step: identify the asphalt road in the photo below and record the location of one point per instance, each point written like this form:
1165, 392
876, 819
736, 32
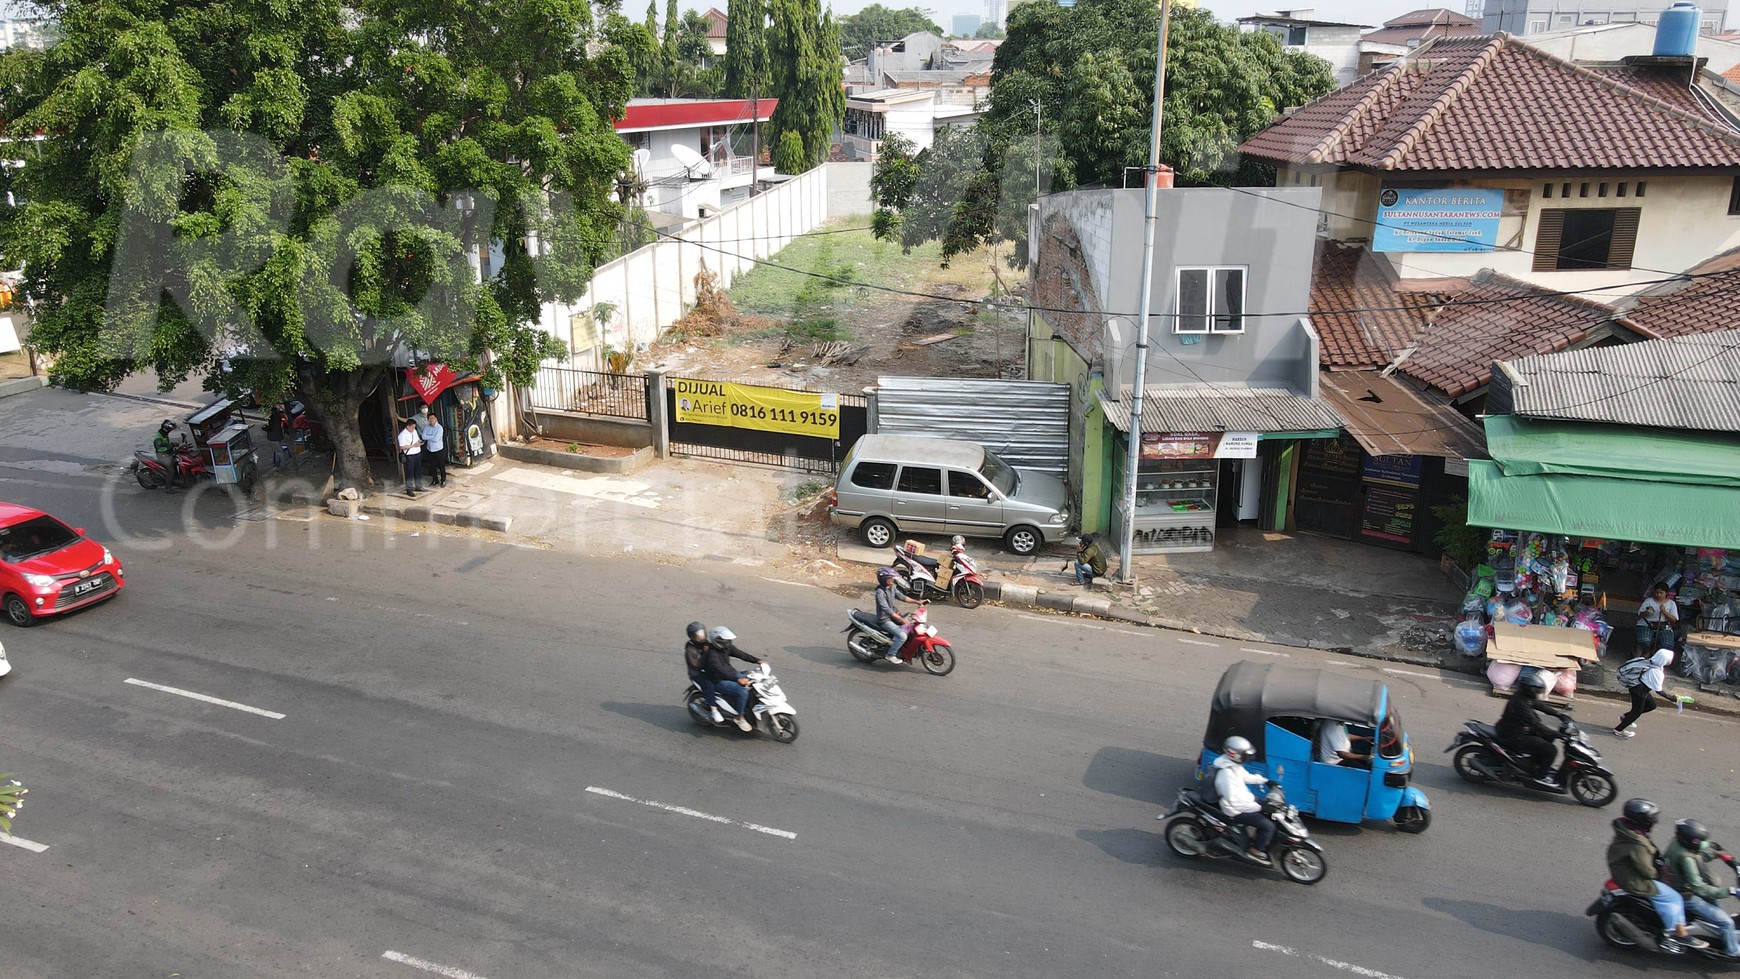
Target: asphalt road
481, 747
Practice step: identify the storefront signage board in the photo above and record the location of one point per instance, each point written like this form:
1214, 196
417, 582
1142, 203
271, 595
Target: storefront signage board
1200, 445
1394, 470
1458, 219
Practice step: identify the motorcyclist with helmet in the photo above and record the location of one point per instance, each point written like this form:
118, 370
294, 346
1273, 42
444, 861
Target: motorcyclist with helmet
1685, 856
1232, 784
694, 657
716, 659
1631, 861
164, 447
1524, 734
888, 618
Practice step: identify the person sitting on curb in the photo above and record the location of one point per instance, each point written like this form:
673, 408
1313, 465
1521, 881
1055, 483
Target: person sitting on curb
1090, 561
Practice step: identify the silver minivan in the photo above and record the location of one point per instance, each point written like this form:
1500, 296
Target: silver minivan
891, 485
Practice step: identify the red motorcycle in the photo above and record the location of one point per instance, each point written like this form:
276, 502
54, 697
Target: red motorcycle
916, 576
190, 464
866, 641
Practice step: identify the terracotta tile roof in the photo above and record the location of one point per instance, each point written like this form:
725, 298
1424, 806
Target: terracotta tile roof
1708, 303
1432, 15
1353, 308
1499, 318
1494, 103
1417, 32
1732, 74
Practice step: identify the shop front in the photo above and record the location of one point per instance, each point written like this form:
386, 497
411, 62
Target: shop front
1587, 520
1210, 457
460, 402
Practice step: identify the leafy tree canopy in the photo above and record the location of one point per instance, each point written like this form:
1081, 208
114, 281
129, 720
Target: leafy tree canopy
1089, 69
302, 183
747, 71
803, 54
876, 24
989, 31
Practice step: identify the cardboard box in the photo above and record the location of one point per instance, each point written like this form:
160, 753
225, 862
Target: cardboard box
1548, 646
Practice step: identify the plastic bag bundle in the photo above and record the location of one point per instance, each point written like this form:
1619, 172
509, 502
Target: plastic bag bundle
1567, 685
1470, 638
1518, 613
1503, 675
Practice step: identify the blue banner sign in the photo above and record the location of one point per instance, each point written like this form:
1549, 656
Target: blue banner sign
1455, 220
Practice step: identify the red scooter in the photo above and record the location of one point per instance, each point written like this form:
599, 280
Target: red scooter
869, 643
190, 464
916, 575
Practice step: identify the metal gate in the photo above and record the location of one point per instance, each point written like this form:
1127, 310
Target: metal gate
1025, 422
802, 453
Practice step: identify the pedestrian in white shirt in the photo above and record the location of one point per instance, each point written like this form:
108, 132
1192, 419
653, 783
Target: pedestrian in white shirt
434, 446
1658, 620
411, 455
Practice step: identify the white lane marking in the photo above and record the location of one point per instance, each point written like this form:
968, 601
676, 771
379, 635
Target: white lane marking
1262, 652
1358, 970
441, 970
681, 811
1039, 618
23, 844
1435, 676
274, 715
1098, 628
782, 581
1198, 642
1337, 662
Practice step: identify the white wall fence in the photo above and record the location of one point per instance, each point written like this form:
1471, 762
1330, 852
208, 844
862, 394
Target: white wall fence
652, 287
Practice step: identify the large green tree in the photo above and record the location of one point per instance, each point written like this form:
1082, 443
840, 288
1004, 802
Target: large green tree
808, 78
876, 24
747, 72
302, 184
1085, 74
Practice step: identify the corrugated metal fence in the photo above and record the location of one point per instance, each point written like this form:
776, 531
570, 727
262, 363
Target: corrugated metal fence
1025, 422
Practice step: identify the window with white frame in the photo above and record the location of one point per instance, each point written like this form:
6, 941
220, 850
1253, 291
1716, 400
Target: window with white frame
1211, 300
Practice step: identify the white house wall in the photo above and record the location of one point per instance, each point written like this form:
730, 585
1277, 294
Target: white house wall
1611, 43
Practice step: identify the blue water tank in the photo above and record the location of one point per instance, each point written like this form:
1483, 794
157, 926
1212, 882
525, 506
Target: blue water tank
1676, 34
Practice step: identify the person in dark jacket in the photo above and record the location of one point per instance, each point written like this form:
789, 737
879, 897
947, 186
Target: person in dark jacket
1090, 561
278, 433
1631, 861
694, 657
1521, 730
1685, 860
733, 685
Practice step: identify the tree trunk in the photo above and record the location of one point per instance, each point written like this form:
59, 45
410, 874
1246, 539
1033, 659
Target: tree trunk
334, 399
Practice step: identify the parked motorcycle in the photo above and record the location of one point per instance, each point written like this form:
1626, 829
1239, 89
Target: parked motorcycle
5, 666
767, 703
1199, 829
1630, 923
1481, 758
191, 463
916, 575
870, 644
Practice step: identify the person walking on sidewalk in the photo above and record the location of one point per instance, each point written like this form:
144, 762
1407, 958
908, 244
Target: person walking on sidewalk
1090, 561
278, 433
1644, 679
411, 455
434, 446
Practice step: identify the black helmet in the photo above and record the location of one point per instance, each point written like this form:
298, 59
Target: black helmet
1641, 813
1532, 685
693, 628
1691, 833
167, 426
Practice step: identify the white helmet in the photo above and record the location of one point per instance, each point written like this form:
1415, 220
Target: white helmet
719, 635
1238, 748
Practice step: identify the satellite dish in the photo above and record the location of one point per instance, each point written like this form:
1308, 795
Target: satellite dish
641, 158
693, 164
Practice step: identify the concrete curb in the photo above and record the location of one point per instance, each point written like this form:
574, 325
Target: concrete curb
1710, 700
408, 511
22, 385
575, 460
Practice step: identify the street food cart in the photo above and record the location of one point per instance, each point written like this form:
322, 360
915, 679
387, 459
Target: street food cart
232, 456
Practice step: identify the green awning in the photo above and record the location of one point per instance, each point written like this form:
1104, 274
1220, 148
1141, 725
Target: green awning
1610, 508
1526, 446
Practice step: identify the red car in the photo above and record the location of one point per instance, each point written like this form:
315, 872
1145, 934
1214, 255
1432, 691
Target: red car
47, 567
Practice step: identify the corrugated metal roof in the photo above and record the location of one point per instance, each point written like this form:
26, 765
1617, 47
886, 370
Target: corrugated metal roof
1025, 422
1389, 417
1223, 408
1690, 382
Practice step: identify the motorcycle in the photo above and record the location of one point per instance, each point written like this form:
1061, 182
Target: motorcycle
767, 703
1481, 758
916, 576
867, 641
1199, 829
5, 666
190, 464
1629, 923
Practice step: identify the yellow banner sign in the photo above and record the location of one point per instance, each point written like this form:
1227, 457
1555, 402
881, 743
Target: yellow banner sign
764, 409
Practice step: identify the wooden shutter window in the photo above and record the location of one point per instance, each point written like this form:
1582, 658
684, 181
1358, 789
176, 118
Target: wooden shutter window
1547, 238
1624, 242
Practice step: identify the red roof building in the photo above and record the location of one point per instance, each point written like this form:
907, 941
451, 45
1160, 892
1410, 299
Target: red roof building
648, 115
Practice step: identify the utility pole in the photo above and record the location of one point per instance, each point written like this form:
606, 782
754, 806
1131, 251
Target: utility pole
1037, 106
1127, 500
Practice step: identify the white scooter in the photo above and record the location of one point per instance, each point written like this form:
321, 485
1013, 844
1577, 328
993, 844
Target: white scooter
766, 703
5, 667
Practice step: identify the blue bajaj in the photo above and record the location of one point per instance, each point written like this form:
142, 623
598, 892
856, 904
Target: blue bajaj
1337, 742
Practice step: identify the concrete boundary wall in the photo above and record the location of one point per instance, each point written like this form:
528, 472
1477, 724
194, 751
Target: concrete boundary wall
652, 287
